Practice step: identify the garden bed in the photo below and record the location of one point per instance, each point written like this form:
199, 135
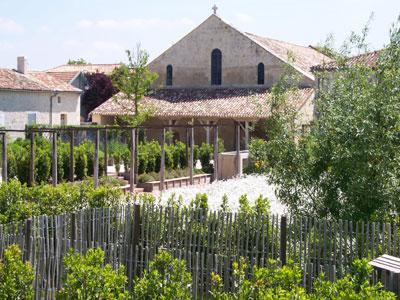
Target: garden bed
152, 186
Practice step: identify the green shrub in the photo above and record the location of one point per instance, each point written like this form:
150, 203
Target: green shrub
275, 282
104, 196
81, 163
179, 155
143, 178
42, 166
166, 278
257, 156
205, 155
16, 277
86, 278
14, 204
143, 158
200, 201
126, 159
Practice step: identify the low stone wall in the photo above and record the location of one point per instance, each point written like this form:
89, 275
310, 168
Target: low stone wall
152, 186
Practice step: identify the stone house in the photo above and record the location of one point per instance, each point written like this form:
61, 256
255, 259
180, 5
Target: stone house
220, 75
75, 75
32, 97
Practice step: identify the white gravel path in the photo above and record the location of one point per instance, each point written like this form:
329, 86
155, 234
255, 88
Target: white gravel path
252, 185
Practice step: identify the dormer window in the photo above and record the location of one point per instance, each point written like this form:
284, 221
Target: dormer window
261, 74
169, 75
216, 67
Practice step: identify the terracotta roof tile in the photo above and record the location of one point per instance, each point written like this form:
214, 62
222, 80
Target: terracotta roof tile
245, 103
304, 57
64, 76
89, 68
368, 59
32, 81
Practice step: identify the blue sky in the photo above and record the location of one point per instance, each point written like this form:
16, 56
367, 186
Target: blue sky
49, 32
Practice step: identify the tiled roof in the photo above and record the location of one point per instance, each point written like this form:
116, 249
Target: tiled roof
90, 68
304, 57
368, 59
64, 76
239, 103
32, 81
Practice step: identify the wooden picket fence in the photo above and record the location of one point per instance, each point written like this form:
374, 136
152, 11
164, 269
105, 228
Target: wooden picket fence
209, 241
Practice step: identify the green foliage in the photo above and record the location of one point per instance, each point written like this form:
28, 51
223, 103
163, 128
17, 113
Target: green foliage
346, 167
143, 178
81, 163
133, 80
79, 61
16, 277
86, 278
166, 278
206, 152
19, 202
258, 162
200, 201
275, 282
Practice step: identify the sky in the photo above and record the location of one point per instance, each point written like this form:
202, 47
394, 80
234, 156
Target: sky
49, 32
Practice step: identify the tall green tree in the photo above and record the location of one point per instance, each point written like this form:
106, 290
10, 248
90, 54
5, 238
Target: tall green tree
133, 80
348, 166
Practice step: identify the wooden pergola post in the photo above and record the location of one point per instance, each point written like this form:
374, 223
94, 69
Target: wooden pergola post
96, 160
187, 145
246, 135
4, 159
31, 180
191, 161
216, 150
54, 159
105, 152
162, 167
238, 158
208, 132
133, 162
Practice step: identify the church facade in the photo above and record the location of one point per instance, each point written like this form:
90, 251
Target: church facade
218, 74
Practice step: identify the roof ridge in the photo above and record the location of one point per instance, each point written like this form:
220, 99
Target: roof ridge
282, 41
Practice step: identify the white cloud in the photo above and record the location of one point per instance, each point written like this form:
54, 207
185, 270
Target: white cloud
6, 45
8, 25
138, 23
45, 29
107, 46
244, 18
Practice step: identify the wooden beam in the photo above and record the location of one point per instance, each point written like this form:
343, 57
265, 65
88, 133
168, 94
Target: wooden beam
187, 145
191, 161
133, 158
238, 158
96, 160
105, 152
4, 159
54, 159
162, 167
71, 156
246, 135
208, 132
216, 150
31, 180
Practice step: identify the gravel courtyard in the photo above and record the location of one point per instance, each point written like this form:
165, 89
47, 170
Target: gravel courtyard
252, 185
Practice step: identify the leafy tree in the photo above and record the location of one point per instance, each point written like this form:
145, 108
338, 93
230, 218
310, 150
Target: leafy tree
347, 166
86, 278
166, 278
16, 277
100, 89
133, 80
79, 61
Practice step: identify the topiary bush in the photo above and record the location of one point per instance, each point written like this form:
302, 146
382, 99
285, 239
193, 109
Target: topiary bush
81, 163
16, 276
87, 278
166, 278
143, 178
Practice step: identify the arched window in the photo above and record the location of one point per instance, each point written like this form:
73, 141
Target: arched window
261, 74
216, 67
169, 75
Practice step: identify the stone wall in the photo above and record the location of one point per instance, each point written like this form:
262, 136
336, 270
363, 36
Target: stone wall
16, 105
191, 58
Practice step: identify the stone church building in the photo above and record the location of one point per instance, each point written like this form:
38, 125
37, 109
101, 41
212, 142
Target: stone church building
217, 74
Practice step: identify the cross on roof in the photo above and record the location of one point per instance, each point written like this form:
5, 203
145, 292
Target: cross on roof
215, 8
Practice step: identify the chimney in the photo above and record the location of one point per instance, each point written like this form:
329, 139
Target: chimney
21, 64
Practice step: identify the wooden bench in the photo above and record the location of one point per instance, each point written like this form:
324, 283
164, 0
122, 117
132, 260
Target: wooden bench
387, 269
